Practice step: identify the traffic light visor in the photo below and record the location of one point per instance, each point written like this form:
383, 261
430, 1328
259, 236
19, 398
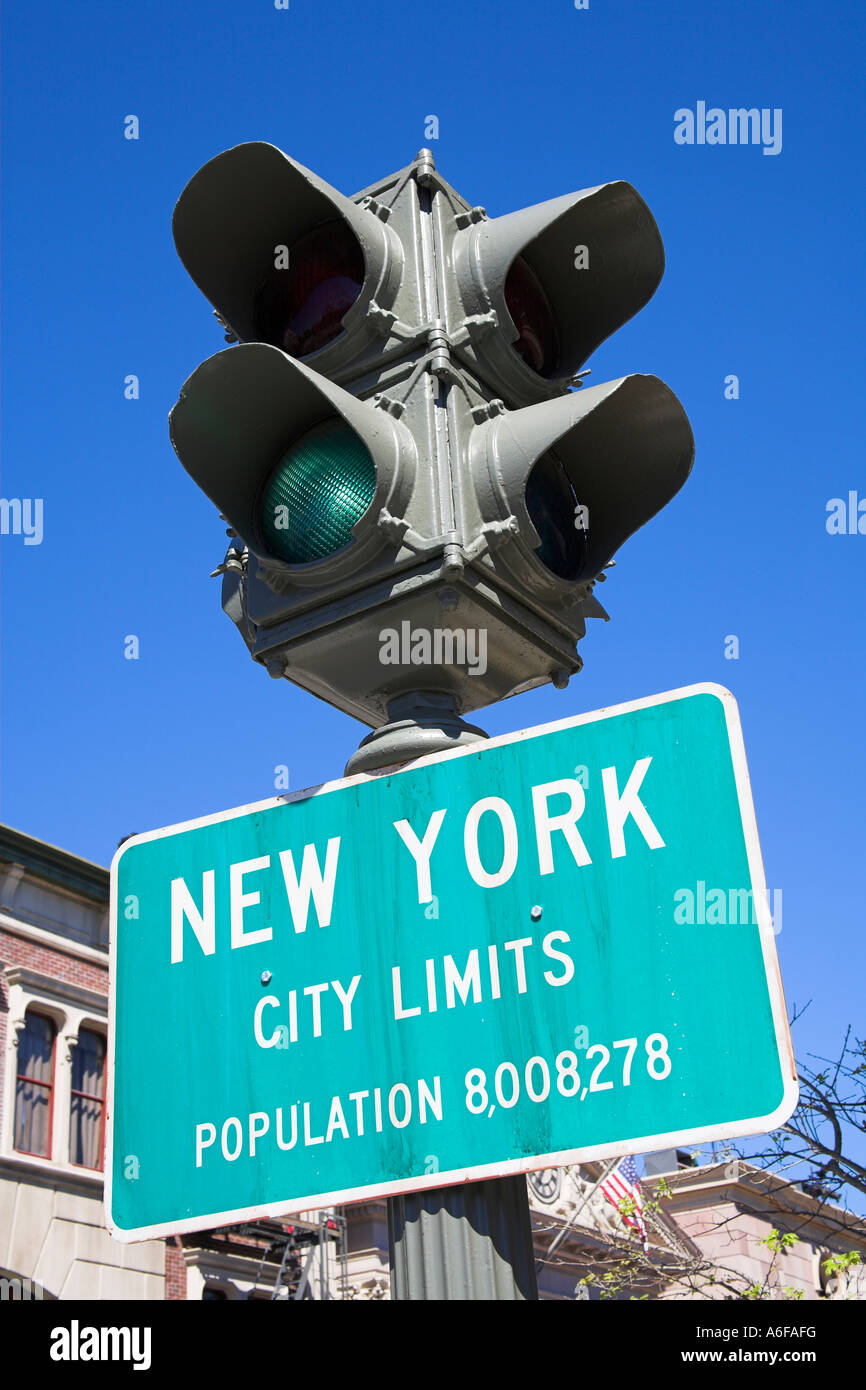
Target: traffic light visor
581, 474
291, 460
283, 257
558, 278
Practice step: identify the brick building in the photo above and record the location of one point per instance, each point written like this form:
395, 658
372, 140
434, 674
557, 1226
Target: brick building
53, 1025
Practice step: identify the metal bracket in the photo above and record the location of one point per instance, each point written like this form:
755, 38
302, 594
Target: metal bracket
234, 561
489, 537
496, 532
475, 327
389, 405
383, 319
466, 219
230, 334
488, 411
377, 209
398, 530
394, 527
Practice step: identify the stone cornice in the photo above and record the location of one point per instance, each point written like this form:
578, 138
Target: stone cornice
44, 1173
34, 983
57, 865
53, 941
762, 1192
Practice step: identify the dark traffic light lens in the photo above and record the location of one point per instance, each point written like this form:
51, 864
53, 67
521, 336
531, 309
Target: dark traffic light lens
558, 518
300, 307
533, 318
316, 493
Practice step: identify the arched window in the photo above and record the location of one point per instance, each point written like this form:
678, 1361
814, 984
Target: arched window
87, 1105
34, 1087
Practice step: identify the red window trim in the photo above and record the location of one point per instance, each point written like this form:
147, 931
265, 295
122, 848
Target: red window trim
49, 1085
100, 1167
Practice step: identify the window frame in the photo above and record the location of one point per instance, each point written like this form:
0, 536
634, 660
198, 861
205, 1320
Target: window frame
35, 1012
86, 1027
71, 1007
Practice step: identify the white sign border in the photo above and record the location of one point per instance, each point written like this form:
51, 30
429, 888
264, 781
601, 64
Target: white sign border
645, 1144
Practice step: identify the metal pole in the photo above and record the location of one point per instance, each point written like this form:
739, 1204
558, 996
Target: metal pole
467, 1242
473, 1241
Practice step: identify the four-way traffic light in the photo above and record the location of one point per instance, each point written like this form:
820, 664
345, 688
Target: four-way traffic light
394, 441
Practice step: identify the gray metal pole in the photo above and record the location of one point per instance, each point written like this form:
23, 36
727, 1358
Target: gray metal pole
473, 1241
467, 1242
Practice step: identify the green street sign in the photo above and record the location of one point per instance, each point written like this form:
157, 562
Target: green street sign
551, 947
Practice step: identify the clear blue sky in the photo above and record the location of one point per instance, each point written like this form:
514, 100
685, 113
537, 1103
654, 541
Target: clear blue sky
764, 257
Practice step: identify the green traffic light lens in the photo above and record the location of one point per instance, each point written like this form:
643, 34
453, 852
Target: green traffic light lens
316, 494
558, 518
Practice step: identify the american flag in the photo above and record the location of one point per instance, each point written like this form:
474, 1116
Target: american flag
623, 1185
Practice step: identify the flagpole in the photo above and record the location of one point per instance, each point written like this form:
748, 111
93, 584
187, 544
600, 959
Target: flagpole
558, 1239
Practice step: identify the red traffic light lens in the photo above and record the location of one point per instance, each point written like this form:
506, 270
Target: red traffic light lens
302, 304
558, 518
533, 318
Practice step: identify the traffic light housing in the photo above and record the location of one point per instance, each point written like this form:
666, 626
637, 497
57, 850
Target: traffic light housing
300, 467
287, 260
394, 440
542, 288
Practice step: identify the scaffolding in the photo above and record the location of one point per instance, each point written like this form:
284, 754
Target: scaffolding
299, 1249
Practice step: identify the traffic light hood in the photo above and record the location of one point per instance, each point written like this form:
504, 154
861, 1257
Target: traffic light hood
598, 257
626, 448
241, 215
243, 410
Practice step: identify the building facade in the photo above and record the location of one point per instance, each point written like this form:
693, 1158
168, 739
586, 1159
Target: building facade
727, 1213
53, 1029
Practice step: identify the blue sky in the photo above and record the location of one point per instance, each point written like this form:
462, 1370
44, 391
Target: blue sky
763, 272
